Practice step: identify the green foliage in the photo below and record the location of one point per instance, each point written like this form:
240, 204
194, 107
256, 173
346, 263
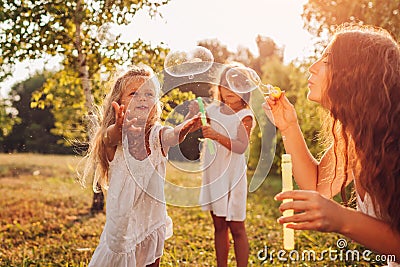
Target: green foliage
69, 29
170, 101
8, 118
321, 17
33, 131
219, 51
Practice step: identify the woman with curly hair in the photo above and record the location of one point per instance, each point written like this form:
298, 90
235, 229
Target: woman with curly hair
357, 80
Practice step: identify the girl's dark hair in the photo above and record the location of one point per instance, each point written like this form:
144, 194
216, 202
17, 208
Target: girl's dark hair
215, 91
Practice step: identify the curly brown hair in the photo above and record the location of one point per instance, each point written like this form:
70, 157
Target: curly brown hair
363, 98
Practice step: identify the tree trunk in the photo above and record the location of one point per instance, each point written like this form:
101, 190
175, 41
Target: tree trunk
98, 198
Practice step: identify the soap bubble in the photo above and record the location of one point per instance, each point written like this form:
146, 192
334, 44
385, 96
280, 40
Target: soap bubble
180, 63
242, 79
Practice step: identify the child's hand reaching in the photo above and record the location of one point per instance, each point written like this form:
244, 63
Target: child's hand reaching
188, 126
193, 109
113, 134
173, 136
121, 119
209, 132
119, 115
130, 127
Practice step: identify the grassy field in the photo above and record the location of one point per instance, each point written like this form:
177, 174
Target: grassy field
45, 220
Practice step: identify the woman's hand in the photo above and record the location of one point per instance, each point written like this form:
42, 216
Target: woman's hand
280, 112
312, 211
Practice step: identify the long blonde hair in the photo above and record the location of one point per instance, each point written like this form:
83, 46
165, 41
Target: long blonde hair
96, 159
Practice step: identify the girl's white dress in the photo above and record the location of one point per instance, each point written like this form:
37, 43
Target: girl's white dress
224, 185
136, 219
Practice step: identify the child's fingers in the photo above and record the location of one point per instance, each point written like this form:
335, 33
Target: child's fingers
134, 129
116, 107
128, 122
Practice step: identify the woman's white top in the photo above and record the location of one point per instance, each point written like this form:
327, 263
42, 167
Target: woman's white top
366, 207
224, 185
136, 217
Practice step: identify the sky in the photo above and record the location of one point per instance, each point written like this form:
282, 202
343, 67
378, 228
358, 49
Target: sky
185, 22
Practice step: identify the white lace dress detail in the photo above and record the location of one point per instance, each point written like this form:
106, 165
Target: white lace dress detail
136, 217
224, 185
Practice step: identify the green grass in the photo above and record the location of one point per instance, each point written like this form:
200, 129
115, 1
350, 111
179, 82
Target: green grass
45, 220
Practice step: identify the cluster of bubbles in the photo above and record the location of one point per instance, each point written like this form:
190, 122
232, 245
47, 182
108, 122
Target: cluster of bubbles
181, 63
189, 64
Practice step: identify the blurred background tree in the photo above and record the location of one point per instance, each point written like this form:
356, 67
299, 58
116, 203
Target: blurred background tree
322, 16
81, 34
8, 118
34, 132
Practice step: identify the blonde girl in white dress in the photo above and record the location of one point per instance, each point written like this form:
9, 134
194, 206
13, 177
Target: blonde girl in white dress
131, 167
357, 80
224, 185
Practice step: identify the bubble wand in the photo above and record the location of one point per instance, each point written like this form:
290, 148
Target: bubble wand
244, 80
204, 122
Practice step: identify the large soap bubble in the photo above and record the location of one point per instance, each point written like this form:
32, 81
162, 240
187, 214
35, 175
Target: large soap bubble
181, 63
244, 80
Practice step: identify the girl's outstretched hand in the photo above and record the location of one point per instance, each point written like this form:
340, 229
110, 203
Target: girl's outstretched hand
122, 119
193, 108
209, 132
130, 127
119, 114
188, 126
312, 211
280, 112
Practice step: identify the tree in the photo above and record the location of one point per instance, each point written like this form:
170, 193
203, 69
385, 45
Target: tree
220, 52
68, 28
81, 33
32, 134
8, 118
322, 16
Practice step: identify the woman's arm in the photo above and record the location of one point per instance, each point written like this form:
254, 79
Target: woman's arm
238, 145
307, 171
316, 212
